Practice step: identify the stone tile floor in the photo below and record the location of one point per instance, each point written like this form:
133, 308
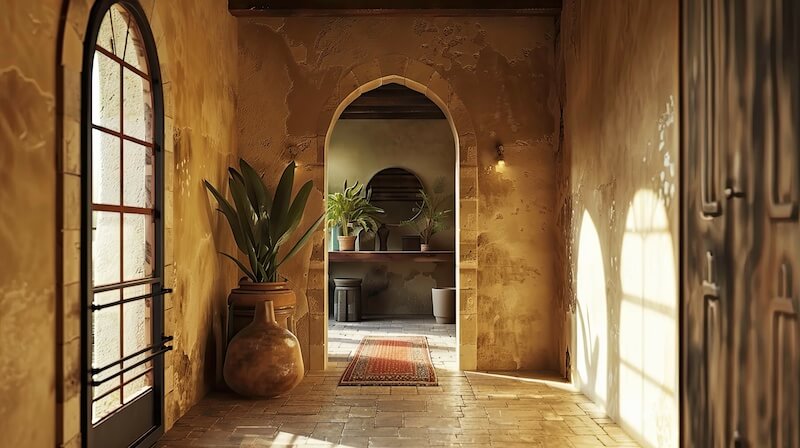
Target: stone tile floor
469, 409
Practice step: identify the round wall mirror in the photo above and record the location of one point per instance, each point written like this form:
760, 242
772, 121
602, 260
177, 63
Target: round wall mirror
396, 191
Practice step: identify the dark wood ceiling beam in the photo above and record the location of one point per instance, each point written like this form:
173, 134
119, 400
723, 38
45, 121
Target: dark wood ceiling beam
323, 8
392, 101
392, 114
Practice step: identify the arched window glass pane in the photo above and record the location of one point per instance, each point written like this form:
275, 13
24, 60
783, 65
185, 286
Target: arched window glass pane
138, 162
106, 92
123, 209
120, 37
138, 106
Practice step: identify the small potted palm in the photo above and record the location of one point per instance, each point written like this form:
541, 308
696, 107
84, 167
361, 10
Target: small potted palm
431, 218
351, 210
262, 224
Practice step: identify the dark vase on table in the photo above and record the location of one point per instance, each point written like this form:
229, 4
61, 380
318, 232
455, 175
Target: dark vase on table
366, 240
383, 236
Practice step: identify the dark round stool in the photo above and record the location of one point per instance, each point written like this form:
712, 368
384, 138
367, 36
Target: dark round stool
347, 299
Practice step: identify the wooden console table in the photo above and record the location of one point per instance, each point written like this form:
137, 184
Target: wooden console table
376, 256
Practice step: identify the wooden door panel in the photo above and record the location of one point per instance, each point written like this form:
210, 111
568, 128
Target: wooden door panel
706, 305
708, 105
741, 234
714, 416
782, 142
784, 372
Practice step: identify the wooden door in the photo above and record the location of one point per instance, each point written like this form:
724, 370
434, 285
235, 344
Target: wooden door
741, 235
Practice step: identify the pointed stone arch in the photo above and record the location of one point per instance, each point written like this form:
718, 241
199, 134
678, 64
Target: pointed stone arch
426, 80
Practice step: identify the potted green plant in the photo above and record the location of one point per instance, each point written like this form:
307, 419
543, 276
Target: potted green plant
431, 218
351, 210
261, 224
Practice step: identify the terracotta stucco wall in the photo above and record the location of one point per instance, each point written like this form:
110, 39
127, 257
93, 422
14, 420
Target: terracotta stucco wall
619, 193
28, 223
501, 69
358, 150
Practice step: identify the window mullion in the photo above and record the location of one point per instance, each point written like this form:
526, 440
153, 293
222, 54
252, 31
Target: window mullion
121, 223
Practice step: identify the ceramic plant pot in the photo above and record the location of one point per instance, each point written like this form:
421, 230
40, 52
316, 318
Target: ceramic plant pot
444, 305
336, 231
263, 360
242, 303
347, 243
424, 247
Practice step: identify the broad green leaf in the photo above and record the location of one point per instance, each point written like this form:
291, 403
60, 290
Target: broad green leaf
251, 254
280, 205
230, 214
255, 187
302, 241
243, 209
295, 214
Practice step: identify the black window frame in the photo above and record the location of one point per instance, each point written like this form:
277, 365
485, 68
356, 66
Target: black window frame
137, 13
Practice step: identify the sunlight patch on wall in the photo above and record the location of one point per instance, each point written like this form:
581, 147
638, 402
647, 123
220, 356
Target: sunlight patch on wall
648, 339
591, 326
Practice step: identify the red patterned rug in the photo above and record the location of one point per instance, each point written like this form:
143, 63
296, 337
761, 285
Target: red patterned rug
391, 361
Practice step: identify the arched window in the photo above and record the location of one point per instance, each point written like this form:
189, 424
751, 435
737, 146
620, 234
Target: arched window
122, 250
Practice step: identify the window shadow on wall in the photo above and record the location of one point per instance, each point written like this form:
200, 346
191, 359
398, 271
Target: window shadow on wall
648, 328
591, 338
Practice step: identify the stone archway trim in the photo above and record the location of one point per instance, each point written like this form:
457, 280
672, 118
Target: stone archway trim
426, 80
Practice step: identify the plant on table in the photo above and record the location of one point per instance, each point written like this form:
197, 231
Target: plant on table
352, 211
431, 216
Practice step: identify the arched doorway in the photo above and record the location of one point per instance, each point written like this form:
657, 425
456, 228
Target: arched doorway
441, 94
399, 147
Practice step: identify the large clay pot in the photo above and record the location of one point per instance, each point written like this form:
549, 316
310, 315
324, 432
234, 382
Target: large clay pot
263, 360
243, 300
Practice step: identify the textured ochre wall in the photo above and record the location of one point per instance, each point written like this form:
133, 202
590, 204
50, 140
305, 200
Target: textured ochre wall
501, 71
361, 148
197, 44
40, 189
28, 223
620, 145
198, 70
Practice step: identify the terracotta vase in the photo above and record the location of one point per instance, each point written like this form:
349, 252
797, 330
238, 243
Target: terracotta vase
263, 360
243, 300
347, 243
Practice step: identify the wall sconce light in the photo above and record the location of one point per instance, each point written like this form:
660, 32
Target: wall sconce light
501, 156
